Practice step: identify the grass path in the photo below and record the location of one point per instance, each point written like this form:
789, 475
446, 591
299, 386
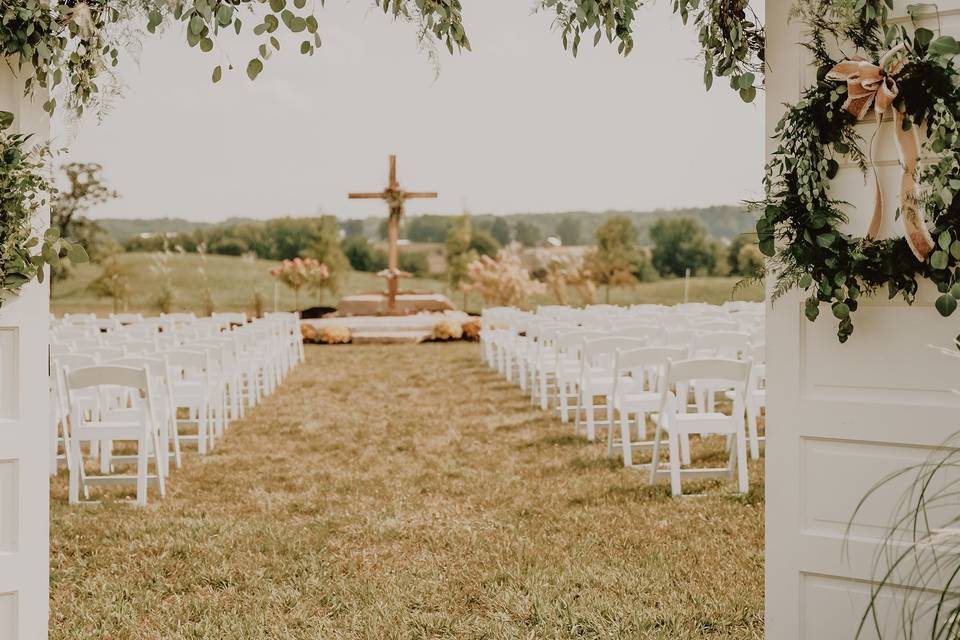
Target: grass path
407, 492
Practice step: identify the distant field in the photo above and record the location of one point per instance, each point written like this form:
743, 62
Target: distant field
234, 281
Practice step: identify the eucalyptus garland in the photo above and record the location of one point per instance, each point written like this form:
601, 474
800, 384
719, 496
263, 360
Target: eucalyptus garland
24, 189
802, 227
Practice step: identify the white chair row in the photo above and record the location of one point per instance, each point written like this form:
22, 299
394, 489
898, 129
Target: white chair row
150, 382
641, 363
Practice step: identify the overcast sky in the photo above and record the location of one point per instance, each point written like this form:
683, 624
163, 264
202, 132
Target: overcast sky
516, 125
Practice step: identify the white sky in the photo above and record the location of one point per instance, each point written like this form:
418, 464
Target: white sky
516, 125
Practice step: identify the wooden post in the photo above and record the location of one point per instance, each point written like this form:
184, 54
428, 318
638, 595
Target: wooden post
395, 197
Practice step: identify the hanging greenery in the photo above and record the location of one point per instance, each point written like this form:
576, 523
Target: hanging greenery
24, 189
730, 34
803, 229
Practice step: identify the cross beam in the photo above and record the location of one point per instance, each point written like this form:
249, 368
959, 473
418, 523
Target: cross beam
395, 198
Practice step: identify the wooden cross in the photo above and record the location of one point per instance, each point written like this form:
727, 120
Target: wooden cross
395, 197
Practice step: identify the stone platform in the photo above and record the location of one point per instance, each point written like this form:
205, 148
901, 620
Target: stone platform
408, 303
409, 329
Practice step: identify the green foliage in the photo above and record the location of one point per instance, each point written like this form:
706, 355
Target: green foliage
68, 208
114, 283
459, 252
24, 189
363, 256
618, 259
427, 228
750, 261
483, 243
731, 37
570, 230
500, 230
733, 251
680, 244
527, 234
414, 262
730, 34
801, 228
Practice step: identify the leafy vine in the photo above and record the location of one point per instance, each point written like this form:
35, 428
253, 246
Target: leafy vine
24, 189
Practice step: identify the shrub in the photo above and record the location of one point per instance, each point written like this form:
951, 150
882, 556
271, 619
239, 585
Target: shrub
415, 262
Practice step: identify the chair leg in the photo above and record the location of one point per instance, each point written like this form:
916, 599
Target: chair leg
626, 442
142, 445
576, 419
162, 469
674, 445
201, 427
752, 426
685, 448
655, 459
564, 402
106, 448
74, 489
543, 390
591, 423
741, 453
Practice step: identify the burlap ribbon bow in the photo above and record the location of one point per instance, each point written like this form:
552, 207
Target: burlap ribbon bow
870, 85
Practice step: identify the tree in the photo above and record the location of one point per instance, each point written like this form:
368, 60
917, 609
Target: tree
459, 252
483, 242
68, 208
569, 230
617, 256
680, 244
750, 261
363, 256
428, 228
113, 282
352, 228
500, 230
719, 266
527, 233
733, 251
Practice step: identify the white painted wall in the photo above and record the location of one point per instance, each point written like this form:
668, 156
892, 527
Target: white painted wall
24, 461
841, 417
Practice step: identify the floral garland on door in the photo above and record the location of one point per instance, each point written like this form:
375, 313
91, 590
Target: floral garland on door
899, 79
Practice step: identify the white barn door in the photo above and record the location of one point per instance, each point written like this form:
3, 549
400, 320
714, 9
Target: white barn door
841, 417
24, 460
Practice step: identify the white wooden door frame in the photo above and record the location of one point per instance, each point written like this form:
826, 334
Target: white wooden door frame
841, 417
24, 430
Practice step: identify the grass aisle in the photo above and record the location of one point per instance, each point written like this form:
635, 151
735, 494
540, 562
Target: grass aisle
407, 492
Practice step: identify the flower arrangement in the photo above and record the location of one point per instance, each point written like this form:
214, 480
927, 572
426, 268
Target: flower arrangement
504, 281
309, 333
471, 330
334, 335
299, 273
447, 330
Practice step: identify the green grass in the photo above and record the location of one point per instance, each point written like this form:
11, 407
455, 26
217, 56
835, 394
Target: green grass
408, 492
234, 281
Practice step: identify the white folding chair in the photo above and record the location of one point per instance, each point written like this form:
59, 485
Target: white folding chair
165, 415
596, 379
192, 390
675, 423
131, 423
638, 393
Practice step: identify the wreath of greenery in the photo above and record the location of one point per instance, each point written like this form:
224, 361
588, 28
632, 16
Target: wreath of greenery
800, 228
